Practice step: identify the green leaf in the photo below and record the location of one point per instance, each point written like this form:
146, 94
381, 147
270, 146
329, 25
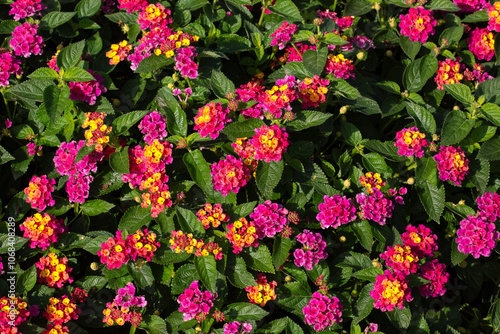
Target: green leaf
418, 72
30, 90
479, 16
142, 276
386, 149
96, 207
126, 18
401, 318
481, 174
121, 124
199, 170
5, 156
244, 312
451, 35
176, 117
134, 218
242, 129
88, 24
87, 8
281, 247
287, 9
354, 260
456, 255
445, 5
490, 150
314, 60
119, 161
460, 92
390, 87
308, 118
495, 316
236, 272
456, 127
259, 258
220, 84
268, 176
357, 7
76, 74
368, 274
426, 171
492, 113
26, 280
345, 89
275, 326
363, 232
410, 48
153, 324
96, 282
85, 150
153, 63
375, 163
22, 131
55, 19
94, 245
70, 55
331, 38
44, 73
190, 4
166, 256
244, 209
432, 198
189, 222
364, 305
231, 43
8, 26
422, 117
183, 278
206, 268
56, 100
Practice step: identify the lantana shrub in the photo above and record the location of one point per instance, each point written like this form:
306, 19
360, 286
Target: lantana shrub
249, 166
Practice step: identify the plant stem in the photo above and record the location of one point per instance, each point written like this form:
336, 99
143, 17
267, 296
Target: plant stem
6, 105
334, 5
264, 7
213, 6
132, 329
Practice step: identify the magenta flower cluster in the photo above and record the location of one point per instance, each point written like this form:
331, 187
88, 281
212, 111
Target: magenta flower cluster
229, 175
283, 34
313, 250
79, 180
153, 127
489, 206
418, 24
25, 41
184, 62
8, 65
411, 142
87, 91
471, 6
452, 164
269, 218
322, 311
335, 211
436, 273
236, 327
39, 192
476, 237
25, 8
420, 239
375, 206
126, 297
195, 304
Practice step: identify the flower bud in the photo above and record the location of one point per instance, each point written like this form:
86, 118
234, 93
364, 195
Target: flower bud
389, 53
342, 239
343, 110
410, 181
288, 278
347, 183
94, 266
360, 55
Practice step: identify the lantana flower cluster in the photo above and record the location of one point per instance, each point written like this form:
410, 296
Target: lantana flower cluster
340, 66
476, 236
147, 169
53, 271
229, 175
21, 313
375, 206
117, 250
471, 6
482, 43
118, 52
335, 211
448, 73
25, 41
22, 9
312, 91
279, 97
195, 304
212, 215
269, 219
42, 230
411, 142
283, 34
493, 16
9, 65
39, 192
263, 292
87, 91
61, 310
242, 233
270, 142
180, 241
211, 119
153, 126
418, 24
237, 327
97, 133
322, 311
312, 250
124, 307
452, 164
